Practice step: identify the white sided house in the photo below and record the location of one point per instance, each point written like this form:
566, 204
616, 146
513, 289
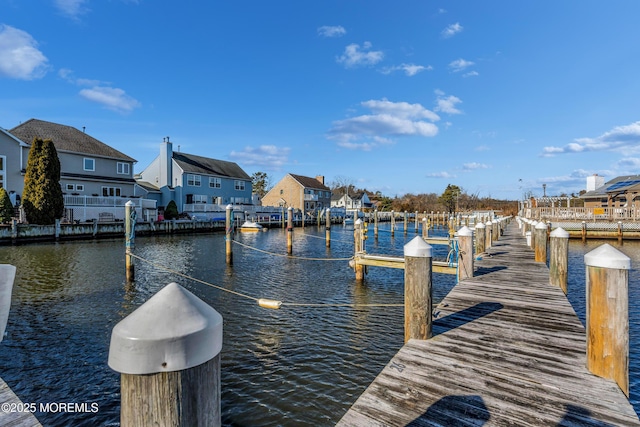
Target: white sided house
96, 179
197, 184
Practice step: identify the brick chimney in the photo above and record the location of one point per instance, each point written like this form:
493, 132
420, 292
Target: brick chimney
320, 178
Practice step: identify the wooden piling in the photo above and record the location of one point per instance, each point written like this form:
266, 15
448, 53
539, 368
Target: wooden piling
228, 238
607, 323
465, 253
168, 354
559, 258
620, 232
425, 228
532, 243
327, 229
417, 290
130, 235
487, 236
290, 230
375, 224
358, 248
480, 237
406, 222
416, 221
393, 223
541, 242
584, 231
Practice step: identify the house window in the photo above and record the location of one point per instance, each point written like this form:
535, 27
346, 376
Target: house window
79, 187
76, 187
123, 168
110, 191
239, 185
3, 172
89, 164
193, 180
281, 191
199, 198
215, 183
70, 187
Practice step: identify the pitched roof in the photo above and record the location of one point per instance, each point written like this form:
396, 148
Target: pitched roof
617, 185
207, 166
308, 182
66, 138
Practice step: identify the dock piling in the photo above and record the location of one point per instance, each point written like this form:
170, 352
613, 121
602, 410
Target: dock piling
417, 290
229, 234
130, 235
290, 230
480, 237
541, 242
465, 253
559, 258
327, 229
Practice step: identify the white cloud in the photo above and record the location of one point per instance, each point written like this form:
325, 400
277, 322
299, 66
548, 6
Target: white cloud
389, 119
331, 31
447, 104
71, 8
19, 55
471, 74
409, 69
452, 30
459, 65
69, 76
354, 56
620, 138
629, 162
112, 98
268, 157
440, 175
474, 166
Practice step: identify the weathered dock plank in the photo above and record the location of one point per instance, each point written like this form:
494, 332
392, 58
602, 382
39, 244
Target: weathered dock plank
13, 413
508, 349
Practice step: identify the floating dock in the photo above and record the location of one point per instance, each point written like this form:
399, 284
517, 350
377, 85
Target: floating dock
507, 349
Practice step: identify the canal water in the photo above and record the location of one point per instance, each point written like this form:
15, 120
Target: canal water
300, 365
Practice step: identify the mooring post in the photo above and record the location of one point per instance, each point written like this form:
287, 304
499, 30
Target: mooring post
559, 258
228, 223
584, 231
406, 222
7, 277
417, 290
168, 354
425, 228
416, 221
541, 242
532, 244
607, 323
129, 239
375, 224
290, 230
480, 237
495, 233
327, 228
358, 248
393, 223
465, 253
487, 235
619, 231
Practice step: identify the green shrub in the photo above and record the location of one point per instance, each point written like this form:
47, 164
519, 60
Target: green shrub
171, 211
6, 208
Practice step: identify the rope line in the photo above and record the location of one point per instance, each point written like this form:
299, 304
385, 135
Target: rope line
290, 256
276, 304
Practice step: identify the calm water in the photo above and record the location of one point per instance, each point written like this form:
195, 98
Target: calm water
294, 366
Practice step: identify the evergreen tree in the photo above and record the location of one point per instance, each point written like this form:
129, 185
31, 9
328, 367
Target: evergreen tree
450, 197
171, 211
6, 208
42, 198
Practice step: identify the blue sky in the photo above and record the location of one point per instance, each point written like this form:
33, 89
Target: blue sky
497, 97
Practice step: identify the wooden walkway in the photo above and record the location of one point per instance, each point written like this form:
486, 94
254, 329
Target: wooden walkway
12, 413
508, 349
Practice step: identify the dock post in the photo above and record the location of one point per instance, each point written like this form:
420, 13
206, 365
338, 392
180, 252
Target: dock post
358, 248
425, 228
487, 235
406, 222
559, 258
607, 323
584, 231
495, 233
417, 290
465, 253
290, 230
417, 222
327, 229
7, 277
168, 354
14, 231
480, 237
375, 224
619, 231
129, 239
393, 223
532, 244
541, 242
229, 234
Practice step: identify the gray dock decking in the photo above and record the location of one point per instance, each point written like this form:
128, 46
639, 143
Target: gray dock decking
508, 349
10, 415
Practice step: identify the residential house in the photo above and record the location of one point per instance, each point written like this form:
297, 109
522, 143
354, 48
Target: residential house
95, 177
300, 193
619, 192
13, 162
358, 200
195, 183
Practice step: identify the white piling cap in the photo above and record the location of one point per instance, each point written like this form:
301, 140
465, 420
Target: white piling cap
7, 276
418, 248
480, 225
172, 331
358, 221
607, 256
465, 232
560, 232
488, 222
541, 225
129, 203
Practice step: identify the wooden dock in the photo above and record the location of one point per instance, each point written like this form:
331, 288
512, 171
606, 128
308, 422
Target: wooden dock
508, 349
13, 413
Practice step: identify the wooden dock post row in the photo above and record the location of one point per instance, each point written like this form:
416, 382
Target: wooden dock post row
168, 354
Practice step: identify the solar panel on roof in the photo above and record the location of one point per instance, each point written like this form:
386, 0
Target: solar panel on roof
622, 184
